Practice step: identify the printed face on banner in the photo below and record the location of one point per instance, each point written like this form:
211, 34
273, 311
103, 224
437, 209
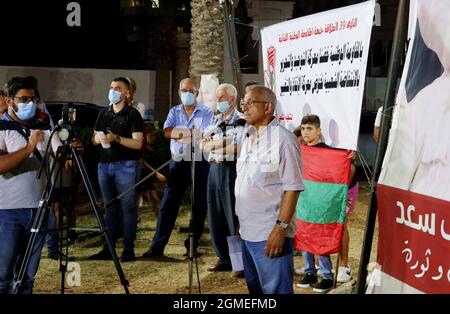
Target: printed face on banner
316, 64
419, 147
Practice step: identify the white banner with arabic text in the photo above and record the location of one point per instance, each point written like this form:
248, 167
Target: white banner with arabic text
317, 64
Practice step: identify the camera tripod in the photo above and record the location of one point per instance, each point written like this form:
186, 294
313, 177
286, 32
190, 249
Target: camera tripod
41, 216
192, 256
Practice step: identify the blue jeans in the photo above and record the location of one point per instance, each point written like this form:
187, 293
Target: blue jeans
115, 178
15, 227
52, 234
324, 263
268, 275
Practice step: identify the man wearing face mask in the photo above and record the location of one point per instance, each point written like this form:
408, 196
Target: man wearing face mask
183, 119
119, 131
222, 174
22, 144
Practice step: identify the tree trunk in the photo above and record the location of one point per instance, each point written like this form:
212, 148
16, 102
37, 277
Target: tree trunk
206, 39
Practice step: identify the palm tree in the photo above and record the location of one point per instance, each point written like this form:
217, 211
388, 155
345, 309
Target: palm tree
206, 38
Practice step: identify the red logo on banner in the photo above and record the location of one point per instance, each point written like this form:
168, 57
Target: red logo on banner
271, 53
286, 117
414, 239
269, 74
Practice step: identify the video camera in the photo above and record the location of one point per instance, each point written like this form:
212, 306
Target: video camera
65, 124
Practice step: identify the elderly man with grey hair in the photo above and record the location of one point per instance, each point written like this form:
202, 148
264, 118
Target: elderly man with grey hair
183, 123
268, 184
222, 174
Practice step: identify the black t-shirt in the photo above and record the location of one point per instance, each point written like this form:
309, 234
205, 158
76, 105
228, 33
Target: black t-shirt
123, 123
323, 145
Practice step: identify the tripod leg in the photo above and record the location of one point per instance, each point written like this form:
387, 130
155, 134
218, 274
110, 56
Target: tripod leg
191, 220
99, 216
191, 255
192, 251
39, 218
38, 222
63, 258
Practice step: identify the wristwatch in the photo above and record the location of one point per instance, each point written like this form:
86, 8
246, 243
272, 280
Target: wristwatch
118, 139
282, 224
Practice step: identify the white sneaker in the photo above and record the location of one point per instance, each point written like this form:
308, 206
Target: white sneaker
344, 274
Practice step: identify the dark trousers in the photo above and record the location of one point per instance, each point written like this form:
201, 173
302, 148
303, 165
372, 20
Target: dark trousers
221, 201
178, 182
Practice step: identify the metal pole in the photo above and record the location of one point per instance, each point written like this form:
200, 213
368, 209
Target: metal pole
191, 218
386, 118
232, 48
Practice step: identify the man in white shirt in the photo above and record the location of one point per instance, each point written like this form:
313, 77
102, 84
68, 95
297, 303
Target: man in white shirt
222, 146
22, 143
268, 184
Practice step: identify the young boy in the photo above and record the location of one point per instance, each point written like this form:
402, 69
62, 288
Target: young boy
311, 134
301, 271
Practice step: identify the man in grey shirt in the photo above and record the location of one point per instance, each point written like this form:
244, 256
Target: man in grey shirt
268, 184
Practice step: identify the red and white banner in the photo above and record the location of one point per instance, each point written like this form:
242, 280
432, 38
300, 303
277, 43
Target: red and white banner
413, 193
414, 238
317, 64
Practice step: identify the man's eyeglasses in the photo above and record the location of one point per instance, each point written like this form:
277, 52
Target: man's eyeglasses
251, 102
184, 90
27, 99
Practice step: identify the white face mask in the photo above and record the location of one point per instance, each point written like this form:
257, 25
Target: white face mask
223, 106
187, 98
114, 96
26, 111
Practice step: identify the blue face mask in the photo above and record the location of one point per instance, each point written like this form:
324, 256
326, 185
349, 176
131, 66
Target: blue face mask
223, 106
187, 98
26, 111
114, 96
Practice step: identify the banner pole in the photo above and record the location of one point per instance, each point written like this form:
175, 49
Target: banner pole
232, 48
386, 119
